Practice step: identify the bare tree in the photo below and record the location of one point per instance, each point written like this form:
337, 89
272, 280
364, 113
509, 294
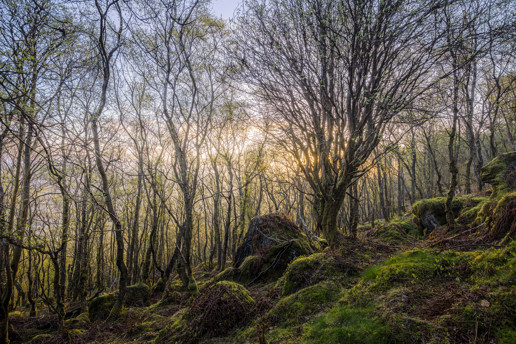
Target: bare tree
334, 73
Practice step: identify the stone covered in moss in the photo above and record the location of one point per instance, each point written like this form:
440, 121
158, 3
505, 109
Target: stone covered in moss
397, 231
294, 308
271, 243
138, 295
309, 270
79, 322
431, 213
268, 231
100, 307
500, 173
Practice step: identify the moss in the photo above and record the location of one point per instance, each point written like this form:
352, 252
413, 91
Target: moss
100, 307
493, 267
397, 231
79, 322
41, 338
308, 301
226, 274
309, 270
506, 336
344, 324
437, 207
177, 330
138, 295
415, 267
500, 173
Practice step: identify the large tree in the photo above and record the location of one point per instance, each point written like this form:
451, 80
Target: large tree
333, 74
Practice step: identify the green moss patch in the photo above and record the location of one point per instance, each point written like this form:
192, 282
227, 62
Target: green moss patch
354, 325
294, 308
100, 307
500, 173
437, 207
309, 270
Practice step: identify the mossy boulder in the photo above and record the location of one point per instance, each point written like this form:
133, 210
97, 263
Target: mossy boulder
396, 231
429, 214
100, 307
270, 244
268, 231
217, 310
138, 295
79, 322
309, 270
295, 308
500, 173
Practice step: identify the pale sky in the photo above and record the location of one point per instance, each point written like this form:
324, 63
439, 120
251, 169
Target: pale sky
224, 8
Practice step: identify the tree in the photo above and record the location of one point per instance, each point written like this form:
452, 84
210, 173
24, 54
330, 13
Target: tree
333, 74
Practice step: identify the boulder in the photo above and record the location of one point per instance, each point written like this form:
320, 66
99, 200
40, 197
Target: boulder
137, 295
270, 244
309, 270
429, 214
500, 173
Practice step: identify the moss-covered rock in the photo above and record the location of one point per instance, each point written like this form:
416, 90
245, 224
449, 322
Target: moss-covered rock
431, 213
79, 322
268, 231
100, 307
138, 295
396, 231
216, 311
268, 265
309, 270
295, 308
500, 173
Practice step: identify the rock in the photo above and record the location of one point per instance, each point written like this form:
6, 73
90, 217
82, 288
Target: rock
270, 244
429, 221
310, 270
429, 214
265, 232
100, 307
138, 295
500, 173
79, 322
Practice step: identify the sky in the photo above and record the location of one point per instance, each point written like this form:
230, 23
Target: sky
224, 8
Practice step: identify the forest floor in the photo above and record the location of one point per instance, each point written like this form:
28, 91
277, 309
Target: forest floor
391, 285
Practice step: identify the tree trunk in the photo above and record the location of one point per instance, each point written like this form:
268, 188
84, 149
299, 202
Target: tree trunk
450, 218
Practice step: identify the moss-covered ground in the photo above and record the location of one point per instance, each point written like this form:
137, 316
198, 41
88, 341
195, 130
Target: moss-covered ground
391, 285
